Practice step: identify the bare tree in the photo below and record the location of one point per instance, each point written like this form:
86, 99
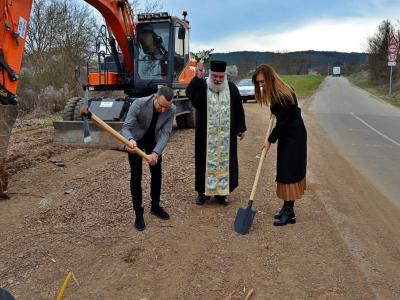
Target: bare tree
146, 6
377, 51
61, 35
232, 72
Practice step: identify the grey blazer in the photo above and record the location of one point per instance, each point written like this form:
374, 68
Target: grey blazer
138, 121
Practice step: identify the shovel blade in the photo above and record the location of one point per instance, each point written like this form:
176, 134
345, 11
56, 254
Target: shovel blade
244, 219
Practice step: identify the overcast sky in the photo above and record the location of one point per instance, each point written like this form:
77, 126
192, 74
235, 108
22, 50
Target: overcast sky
283, 25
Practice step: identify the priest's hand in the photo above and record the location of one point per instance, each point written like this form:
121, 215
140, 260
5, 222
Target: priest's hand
200, 70
153, 159
242, 135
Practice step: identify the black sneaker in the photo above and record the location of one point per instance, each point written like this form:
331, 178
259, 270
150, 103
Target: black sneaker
159, 212
222, 200
201, 199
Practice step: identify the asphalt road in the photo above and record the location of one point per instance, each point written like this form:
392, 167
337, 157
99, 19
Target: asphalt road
365, 129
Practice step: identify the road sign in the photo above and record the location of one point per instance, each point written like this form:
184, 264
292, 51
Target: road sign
393, 40
392, 51
392, 48
392, 57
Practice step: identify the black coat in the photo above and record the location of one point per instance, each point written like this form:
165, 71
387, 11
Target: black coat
292, 143
197, 93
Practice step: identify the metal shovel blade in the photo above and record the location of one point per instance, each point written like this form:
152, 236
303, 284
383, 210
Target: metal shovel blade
6, 295
244, 218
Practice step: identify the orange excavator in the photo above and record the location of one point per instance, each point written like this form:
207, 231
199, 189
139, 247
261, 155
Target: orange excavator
135, 57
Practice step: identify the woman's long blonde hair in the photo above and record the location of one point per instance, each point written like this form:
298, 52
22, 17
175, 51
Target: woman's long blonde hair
275, 90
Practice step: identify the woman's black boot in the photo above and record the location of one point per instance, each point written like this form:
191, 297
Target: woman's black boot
287, 216
279, 213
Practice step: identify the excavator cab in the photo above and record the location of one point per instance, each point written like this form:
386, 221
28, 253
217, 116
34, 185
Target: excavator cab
160, 54
162, 50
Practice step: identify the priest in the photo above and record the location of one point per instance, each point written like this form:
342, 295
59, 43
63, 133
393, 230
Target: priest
220, 121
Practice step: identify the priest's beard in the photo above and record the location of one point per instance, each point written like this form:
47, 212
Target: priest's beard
216, 88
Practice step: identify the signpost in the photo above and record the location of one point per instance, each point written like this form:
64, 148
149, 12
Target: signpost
392, 53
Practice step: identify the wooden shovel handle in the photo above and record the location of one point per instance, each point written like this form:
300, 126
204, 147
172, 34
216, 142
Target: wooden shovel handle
260, 163
116, 134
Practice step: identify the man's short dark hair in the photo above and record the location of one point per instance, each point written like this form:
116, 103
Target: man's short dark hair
165, 91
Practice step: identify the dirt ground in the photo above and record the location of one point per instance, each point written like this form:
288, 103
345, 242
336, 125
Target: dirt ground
345, 245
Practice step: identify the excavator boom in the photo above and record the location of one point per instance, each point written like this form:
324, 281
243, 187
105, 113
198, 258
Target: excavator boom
119, 17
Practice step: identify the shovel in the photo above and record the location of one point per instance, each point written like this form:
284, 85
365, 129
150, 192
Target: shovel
88, 115
245, 216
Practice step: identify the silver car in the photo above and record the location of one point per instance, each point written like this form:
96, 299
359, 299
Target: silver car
246, 89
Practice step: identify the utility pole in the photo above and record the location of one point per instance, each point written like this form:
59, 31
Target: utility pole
328, 69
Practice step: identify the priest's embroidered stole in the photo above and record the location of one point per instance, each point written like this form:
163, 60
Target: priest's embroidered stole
218, 137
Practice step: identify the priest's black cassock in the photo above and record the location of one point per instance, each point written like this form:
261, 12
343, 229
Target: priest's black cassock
197, 93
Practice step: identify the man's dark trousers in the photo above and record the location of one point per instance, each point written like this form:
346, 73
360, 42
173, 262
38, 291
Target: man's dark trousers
135, 162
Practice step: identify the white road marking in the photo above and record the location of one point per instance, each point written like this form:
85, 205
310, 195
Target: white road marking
376, 130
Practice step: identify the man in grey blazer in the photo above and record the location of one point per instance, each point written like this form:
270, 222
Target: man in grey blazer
148, 126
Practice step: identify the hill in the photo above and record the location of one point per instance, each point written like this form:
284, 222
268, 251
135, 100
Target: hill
300, 62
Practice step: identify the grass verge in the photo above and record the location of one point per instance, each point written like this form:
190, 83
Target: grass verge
303, 85
382, 91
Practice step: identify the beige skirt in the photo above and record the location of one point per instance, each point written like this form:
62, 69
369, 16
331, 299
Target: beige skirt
291, 191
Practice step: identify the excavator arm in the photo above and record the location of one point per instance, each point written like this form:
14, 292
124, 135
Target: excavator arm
14, 20
119, 18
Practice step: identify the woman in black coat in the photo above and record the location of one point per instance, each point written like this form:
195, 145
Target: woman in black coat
291, 135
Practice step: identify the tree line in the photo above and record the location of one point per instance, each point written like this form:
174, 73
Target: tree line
295, 63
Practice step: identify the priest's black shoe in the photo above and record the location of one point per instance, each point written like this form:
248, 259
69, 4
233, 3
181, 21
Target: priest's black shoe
287, 217
139, 221
201, 199
222, 200
159, 212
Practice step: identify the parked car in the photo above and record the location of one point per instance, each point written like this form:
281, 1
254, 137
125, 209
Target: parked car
246, 89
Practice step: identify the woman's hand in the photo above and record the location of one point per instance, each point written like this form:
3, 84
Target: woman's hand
266, 146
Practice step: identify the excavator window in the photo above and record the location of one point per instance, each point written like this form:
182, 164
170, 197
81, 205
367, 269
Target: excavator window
180, 51
153, 50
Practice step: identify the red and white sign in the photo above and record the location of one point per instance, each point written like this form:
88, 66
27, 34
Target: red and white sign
393, 49
392, 57
393, 40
